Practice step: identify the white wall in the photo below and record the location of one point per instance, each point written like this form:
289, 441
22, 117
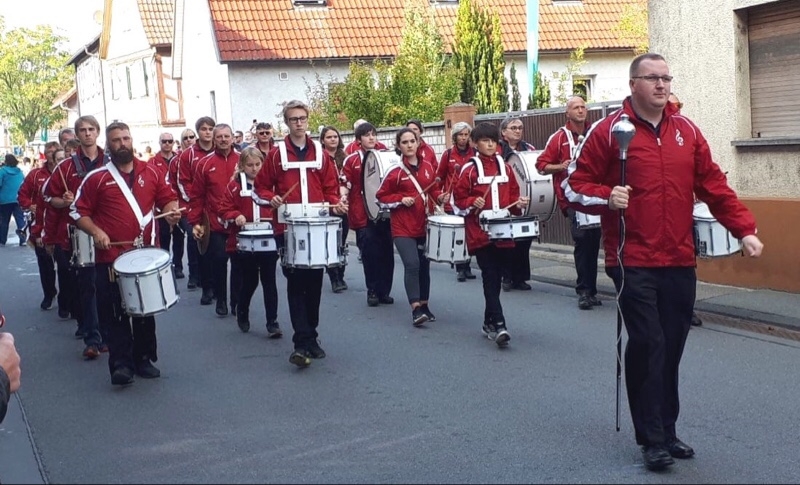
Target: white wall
89, 83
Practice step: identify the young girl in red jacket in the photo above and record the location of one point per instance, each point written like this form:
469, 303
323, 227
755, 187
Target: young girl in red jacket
408, 192
238, 209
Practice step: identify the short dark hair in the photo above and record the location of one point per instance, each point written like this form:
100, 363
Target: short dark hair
239, 133
399, 134
263, 126
365, 129
117, 125
485, 130
205, 120
649, 56
415, 121
11, 160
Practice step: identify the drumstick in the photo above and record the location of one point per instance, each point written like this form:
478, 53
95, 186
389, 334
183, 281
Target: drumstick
122, 243
291, 189
165, 214
428, 187
509, 205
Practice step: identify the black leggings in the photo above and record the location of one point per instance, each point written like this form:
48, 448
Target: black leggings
417, 276
253, 266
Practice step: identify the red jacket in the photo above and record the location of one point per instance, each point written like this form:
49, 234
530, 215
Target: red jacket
409, 221
453, 160
100, 198
352, 179
355, 146
30, 194
272, 180
557, 150
238, 202
181, 172
162, 164
665, 168
468, 189
72, 171
209, 184
425, 152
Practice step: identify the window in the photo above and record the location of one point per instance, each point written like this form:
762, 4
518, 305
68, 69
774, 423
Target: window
137, 79
773, 34
582, 85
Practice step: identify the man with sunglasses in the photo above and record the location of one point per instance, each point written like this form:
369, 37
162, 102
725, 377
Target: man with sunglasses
670, 161
161, 161
264, 139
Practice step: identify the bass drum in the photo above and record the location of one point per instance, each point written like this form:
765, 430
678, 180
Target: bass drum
537, 187
375, 167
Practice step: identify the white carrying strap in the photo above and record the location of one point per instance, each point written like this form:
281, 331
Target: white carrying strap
502, 177
303, 166
573, 147
245, 192
142, 219
415, 182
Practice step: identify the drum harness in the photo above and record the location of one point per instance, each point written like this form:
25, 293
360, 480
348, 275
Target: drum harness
494, 181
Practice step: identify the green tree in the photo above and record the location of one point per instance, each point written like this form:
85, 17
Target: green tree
566, 79
516, 97
540, 98
32, 75
632, 26
478, 56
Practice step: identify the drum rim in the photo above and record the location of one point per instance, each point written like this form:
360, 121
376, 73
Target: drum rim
146, 272
256, 232
313, 221
150, 314
435, 218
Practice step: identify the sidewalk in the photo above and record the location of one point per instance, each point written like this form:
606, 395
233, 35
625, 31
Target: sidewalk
765, 311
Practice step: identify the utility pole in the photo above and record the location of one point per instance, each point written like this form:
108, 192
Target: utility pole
533, 44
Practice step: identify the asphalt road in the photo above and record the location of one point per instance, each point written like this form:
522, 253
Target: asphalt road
393, 403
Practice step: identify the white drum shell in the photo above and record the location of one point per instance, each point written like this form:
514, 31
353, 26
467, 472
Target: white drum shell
374, 168
146, 282
446, 241
587, 221
514, 228
256, 241
313, 243
532, 184
711, 239
82, 248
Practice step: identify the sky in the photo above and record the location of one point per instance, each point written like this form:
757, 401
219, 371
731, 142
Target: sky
72, 19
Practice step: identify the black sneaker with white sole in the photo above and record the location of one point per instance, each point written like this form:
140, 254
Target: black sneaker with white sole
502, 337
427, 311
418, 316
300, 358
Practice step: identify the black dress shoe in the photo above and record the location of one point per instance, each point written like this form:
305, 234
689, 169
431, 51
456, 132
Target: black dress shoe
122, 376
656, 457
207, 298
179, 274
146, 370
192, 284
222, 308
522, 286
585, 302
372, 299
386, 300
243, 320
461, 276
507, 285
47, 303
678, 449
63, 314
342, 285
469, 275
696, 321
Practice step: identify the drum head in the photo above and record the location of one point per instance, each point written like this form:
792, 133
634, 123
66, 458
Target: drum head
538, 188
373, 170
141, 260
702, 212
447, 219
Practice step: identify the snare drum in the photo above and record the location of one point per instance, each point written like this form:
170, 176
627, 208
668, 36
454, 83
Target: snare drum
313, 242
539, 188
82, 247
446, 242
711, 239
373, 170
587, 221
146, 281
256, 237
514, 228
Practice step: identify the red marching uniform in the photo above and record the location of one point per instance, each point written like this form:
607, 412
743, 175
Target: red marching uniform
181, 172
352, 179
450, 166
409, 221
425, 152
355, 146
558, 148
234, 204
30, 194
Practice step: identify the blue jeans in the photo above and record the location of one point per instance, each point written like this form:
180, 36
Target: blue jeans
6, 211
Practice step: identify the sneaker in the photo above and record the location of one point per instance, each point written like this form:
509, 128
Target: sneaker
103, 348
507, 285
192, 284
91, 352
372, 299
522, 286
207, 298
461, 276
418, 316
342, 285
314, 351
274, 330
585, 302
427, 311
122, 376
146, 370
696, 321
338, 286
47, 303
595, 301
386, 300
468, 274
23, 238
63, 314
222, 308
502, 336
300, 358
243, 320
179, 274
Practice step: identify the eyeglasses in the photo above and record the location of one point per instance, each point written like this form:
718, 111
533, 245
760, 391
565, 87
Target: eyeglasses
190, 137
167, 141
654, 79
298, 119
514, 128
268, 132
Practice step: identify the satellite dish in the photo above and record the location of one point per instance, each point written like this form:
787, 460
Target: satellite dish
98, 17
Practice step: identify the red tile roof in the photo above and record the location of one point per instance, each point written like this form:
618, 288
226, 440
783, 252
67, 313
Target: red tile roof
265, 30
157, 18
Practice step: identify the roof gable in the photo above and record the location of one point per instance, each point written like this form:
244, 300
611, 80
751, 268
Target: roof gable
266, 30
157, 19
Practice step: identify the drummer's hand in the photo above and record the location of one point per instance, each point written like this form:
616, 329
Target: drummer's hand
341, 208
49, 249
563, 165
68, 197
523, 202
408, 201
752, 245
619, 197
101, 239
197, 231
444, 197
276, 202
479, 202
173, 217
33, 208
240, 220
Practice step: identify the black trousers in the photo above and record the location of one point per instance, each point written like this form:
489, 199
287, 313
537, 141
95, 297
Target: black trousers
518, 269
657, 308
336, 273
417, 268
587, 247
377, 256
130, 339
492, 260
175, 235
47, 272
214, 272
67, 282
251, 267
304, 292
93, 333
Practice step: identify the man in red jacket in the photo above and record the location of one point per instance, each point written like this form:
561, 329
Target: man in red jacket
162, 161
669, 162
355, 145
555, 160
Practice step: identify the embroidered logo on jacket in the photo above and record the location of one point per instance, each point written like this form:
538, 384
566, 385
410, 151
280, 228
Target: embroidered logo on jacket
141, 181
678, 137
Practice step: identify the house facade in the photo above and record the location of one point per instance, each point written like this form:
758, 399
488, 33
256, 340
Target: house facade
734, 62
